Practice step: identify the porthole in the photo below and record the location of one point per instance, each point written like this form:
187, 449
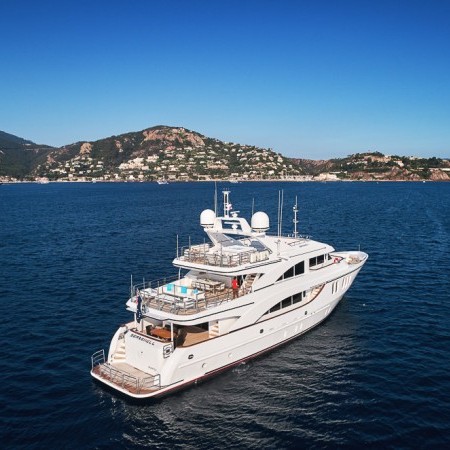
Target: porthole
203, 365
261, 331
190, 356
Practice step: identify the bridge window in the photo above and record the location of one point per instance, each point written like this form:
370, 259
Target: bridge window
316, 260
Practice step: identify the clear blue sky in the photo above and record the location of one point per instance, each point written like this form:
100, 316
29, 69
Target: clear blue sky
313, 79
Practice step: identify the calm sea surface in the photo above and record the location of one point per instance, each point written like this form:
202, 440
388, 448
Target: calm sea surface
376, 373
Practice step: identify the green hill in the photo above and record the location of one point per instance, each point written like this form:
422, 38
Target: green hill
18, 156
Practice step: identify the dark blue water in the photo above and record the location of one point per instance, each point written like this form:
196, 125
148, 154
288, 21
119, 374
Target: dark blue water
376, 373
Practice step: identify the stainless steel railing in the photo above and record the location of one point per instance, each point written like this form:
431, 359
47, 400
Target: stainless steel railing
122, 378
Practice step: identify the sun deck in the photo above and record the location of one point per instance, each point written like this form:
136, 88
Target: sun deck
229, 253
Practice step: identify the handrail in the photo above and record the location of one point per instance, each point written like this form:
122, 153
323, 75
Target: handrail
155, 283
98, 358
220, 259
123, 378
291, 235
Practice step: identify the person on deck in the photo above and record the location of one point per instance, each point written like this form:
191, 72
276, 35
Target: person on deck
235, 287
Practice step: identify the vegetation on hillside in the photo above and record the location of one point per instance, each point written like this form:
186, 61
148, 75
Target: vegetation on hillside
181, 154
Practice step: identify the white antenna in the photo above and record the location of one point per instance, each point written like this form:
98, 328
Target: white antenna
226, 204
279, 201
215, 198
131, 285
295, 208
281, 212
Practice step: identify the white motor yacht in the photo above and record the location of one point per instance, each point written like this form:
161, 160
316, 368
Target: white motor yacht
192, 326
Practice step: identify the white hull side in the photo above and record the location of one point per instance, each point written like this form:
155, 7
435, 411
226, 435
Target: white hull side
187, 365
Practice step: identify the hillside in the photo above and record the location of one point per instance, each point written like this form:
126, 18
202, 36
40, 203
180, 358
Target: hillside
376, 166
18, 156
177, 153
163, 152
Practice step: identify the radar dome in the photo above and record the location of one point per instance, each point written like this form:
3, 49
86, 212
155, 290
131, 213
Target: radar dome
207, 218
260, 221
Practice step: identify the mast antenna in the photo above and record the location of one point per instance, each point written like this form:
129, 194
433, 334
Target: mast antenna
278, 224
295, 208
215, 198
226, 204
281, 212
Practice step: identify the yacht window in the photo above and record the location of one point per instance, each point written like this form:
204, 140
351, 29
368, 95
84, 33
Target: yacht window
289, 273
275, 308
320, 259
297, 298
300, 268
312, 262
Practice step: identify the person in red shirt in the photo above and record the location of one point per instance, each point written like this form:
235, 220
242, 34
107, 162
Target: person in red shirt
235, 287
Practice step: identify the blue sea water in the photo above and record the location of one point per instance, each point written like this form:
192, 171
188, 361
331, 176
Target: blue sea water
374, 374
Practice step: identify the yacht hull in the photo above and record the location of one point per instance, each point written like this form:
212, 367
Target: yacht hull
236, 348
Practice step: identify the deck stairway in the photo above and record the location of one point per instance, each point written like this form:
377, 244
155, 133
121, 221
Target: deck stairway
248, 283
120, 354
214, 329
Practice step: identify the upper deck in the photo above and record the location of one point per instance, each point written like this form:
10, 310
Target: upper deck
229, 253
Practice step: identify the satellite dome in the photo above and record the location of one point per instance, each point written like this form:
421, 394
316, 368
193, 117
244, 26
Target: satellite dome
207, 218
260, 221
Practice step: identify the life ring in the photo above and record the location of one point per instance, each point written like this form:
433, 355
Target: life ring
336, 260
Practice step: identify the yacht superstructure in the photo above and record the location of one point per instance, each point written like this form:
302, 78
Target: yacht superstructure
190, 327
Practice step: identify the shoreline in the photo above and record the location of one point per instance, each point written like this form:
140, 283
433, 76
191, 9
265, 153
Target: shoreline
4, 182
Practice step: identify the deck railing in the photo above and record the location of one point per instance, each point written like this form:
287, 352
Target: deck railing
122, 378
154, 284
184, 305
220, 258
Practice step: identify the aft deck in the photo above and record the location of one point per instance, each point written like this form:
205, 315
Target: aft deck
124, 376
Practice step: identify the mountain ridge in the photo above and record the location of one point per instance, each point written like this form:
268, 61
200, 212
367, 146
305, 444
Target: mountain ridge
178, 153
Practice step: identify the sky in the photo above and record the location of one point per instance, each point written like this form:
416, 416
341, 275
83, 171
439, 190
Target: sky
310, 79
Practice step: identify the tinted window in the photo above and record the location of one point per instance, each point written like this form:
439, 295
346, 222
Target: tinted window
320, 259
297, 298
275, 308
286, 302
312, 262
300, 268
289, 273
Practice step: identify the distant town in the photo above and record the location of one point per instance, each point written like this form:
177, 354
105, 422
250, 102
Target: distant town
176, 154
